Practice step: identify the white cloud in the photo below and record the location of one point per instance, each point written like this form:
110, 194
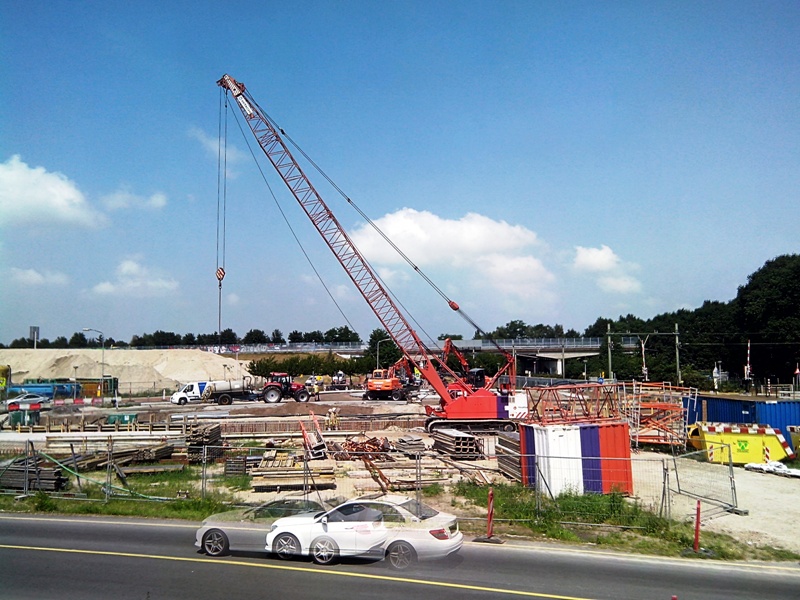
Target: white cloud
233, 299
595, 259
429, 239
613, 273
32, 277
34, 195
211, 146
620, 284
123, 198
342, 292
490, 265
134, 280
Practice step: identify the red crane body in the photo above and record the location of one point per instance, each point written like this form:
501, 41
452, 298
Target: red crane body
483, 404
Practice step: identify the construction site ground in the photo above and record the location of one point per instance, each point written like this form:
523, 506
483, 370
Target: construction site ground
772, 502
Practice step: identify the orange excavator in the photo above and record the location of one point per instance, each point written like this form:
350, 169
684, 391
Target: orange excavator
462, 404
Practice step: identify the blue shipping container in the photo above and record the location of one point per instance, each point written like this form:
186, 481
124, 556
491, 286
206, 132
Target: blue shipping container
779, 415
715, 409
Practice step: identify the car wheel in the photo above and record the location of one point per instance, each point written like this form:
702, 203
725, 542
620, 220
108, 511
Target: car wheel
225, 400
397, 395
182, 401
401, 555
286, 546
272, 395
215, 543
302, 396
324, 551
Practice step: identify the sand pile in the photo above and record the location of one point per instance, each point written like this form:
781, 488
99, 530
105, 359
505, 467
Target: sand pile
137, 370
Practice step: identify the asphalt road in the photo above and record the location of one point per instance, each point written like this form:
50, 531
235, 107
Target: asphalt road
86, 558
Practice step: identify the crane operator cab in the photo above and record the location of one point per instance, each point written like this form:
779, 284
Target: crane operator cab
476, 378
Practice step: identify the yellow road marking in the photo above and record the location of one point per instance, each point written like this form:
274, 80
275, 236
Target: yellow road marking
459, 586
93, 520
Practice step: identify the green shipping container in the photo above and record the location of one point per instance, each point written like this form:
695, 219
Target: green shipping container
123, 419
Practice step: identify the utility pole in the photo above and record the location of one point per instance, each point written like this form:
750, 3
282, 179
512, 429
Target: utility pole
609, 352
678, 355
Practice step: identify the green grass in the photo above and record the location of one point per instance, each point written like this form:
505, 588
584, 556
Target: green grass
626, 526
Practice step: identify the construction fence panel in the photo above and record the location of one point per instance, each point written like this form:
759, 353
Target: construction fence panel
558, 480
705, 477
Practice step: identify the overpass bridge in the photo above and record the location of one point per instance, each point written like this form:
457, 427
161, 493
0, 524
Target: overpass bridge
542, 354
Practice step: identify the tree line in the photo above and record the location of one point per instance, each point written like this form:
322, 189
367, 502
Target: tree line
763, 320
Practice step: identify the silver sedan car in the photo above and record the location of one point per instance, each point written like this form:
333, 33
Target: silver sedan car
245, 529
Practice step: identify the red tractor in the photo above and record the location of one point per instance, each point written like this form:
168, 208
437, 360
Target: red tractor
280, 386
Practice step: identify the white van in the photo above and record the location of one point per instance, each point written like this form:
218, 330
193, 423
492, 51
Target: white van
191, 392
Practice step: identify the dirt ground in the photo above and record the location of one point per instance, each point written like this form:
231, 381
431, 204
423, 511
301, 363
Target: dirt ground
773, 505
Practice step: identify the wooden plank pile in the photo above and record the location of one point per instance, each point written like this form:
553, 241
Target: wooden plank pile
456, 444
507, 450
48, 479
200, 435
281, 470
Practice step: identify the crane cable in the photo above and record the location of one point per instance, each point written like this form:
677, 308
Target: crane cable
222, 199
288, 224
451, 303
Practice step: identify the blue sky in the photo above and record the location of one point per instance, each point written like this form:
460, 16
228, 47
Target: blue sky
553, 162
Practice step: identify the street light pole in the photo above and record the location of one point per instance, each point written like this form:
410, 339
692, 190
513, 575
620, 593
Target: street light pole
378, 352
102, 355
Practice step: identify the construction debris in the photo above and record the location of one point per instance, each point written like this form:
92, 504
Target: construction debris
200, 436
353, 449
121, 456
507, 450
28, 474
410, 445
281, 470
457, 444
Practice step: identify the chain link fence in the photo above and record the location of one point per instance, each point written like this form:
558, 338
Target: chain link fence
586, 490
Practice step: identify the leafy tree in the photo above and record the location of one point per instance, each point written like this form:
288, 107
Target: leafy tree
257, 336
21, 343
60, 342
599, 328
277, 337
228, 336
164, 339
315, 336
78, 340
295, 337
766, 311
189, 339
452, 336
341, 335
388, 352
207, 339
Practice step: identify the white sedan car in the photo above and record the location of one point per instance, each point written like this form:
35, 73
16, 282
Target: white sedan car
392, 526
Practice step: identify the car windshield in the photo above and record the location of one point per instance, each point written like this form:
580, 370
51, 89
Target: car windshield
284, 508
421, 510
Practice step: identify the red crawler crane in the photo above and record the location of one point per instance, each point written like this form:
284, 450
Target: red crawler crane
461, 403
